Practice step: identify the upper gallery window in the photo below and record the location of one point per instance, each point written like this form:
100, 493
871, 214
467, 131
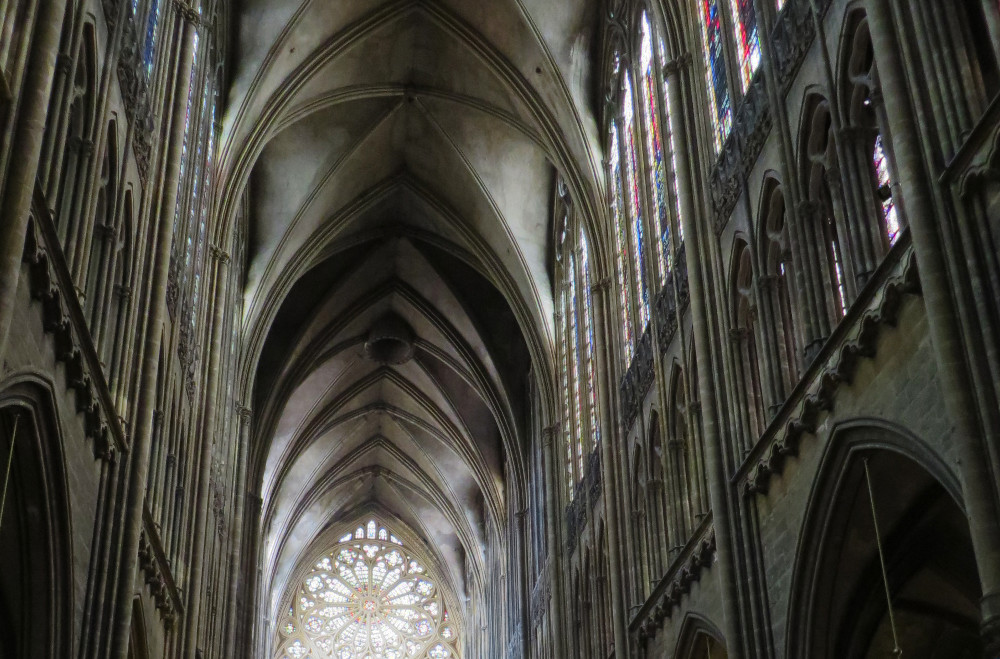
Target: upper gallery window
720, 106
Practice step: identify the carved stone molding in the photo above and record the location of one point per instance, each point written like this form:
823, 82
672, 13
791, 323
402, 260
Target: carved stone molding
637, 380
752, 122
63, 318
157, 575
782, 439
791, 36
686, 570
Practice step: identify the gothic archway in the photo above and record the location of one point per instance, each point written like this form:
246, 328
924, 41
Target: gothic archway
700, 639
35, 590
838, 604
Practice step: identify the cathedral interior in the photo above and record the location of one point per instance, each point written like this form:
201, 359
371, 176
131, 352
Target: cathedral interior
475, 329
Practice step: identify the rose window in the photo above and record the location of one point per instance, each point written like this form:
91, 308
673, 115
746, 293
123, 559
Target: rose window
367, 598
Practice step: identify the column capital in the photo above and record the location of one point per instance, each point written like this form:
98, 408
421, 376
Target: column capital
677, 64
549, 433
243, 412
219, 254
64, 63
123, 292
187, 12
601, 285
83, 146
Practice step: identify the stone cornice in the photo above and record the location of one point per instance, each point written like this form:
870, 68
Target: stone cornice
836, 362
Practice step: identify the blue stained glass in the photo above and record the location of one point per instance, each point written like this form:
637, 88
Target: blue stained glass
715, 65
149, 43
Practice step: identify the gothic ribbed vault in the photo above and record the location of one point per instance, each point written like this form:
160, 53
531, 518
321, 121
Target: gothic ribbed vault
396, 159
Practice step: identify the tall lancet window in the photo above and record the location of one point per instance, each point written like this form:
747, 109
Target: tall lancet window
367, 596
588, 338
659, 151
622, 259
890, 218
567, 397
747, 39
150, 36
634, 194
720, 106
579, 388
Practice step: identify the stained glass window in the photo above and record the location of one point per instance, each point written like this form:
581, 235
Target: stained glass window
567, 421
663, 181
588, 319
368, 597
631, 186
576, 354
654, 147
884, 190
574, 331
838, 277
720, 106
187, 127
747, 39
621, 244
149, 38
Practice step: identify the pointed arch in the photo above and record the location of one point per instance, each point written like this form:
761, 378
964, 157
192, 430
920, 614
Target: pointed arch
699, 639
36, 594
926, 542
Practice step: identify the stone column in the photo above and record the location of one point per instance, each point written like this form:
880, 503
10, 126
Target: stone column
714, 448
979, 480
558, 598
235, 551
146, 399
202, 502
26, 145
603, 358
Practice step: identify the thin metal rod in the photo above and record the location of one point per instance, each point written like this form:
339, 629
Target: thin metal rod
881, 557
10, 459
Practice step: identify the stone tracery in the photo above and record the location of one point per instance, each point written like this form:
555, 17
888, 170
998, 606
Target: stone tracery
367, 597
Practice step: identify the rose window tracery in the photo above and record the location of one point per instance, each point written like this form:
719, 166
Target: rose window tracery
367, 598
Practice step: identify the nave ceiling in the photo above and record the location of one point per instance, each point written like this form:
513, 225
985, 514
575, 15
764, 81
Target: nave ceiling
396, 163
